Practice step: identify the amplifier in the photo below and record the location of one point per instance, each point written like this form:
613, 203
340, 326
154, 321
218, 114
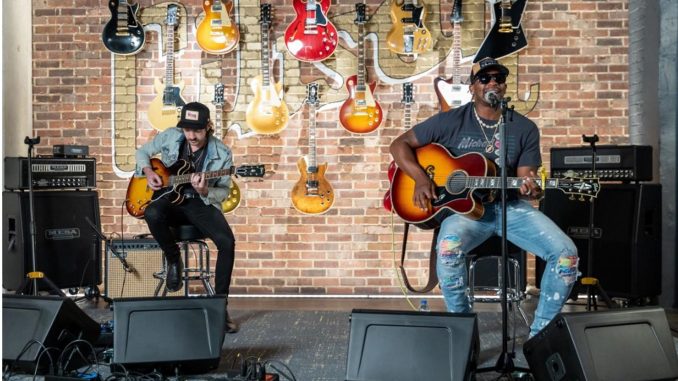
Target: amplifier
613, 163
50, 173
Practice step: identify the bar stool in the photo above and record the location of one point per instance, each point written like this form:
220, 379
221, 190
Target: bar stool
190, 240
491, 291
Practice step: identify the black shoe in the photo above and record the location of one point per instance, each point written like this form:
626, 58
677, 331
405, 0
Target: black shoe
175, 269
230, 326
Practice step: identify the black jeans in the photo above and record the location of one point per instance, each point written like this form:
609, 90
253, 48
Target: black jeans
161, 214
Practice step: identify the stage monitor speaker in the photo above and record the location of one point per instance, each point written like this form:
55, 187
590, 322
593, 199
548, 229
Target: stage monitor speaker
411, 345
32, 323
629, 344
627, 251
164, 333
67, 249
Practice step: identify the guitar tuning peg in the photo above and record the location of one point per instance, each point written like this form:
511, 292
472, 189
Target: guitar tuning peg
571, 198
581, 198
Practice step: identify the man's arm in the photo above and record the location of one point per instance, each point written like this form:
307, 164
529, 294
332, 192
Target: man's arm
402, 150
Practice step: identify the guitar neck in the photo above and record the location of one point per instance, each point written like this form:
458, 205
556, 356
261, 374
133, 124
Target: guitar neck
361, 57
313, 164
169, 68
407, 121
186, 177
218, 111
456, 54
122, 19
481, 182
265, 54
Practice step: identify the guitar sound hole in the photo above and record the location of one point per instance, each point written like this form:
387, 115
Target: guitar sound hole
456, 182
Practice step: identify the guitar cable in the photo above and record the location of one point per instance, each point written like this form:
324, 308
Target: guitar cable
401, 283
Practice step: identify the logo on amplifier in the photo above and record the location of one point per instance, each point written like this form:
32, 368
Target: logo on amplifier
62, 234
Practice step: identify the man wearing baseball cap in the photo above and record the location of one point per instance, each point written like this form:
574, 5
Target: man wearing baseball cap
474, 128
190, 143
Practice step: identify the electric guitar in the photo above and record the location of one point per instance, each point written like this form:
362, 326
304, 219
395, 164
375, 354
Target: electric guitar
407, 100
452, 92
360, 113
140, 195
267, 113
123, 34
408, 35
164, 110
311, 36
458, 178
312, 194
506, 36
231, 202
217, 33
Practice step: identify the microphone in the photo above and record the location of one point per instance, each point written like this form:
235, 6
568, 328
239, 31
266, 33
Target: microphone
101, 235
492, 98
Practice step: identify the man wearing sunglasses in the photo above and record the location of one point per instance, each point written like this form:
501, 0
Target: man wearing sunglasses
474, 127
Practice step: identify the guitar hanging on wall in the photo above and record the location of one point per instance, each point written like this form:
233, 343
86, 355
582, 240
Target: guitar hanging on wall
217, 33
311, 36
408, 35
360, 113
164, 110
267, 113
506, 36
453, 92
231, 202
123, 34
408, 99
312, 194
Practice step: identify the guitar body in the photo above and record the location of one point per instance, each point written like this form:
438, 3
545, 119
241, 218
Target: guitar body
217, 33
498, 45
386, 202
231, 202
408, 35
360, 113
139, 194
312, 200
127, 42
267, 113
164, 113
451, 95
439, 165
311, 43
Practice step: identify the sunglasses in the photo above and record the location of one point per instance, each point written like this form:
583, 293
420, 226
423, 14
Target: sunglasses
486, 78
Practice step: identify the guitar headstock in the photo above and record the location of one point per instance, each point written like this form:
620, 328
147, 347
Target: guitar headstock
455, 16
312, 94
582, 187
408, 97
265, 15
172, 15
218, 94
360, 13
249, 170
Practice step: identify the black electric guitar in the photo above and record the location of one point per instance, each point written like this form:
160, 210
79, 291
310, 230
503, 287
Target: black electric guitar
506, 36
123, 34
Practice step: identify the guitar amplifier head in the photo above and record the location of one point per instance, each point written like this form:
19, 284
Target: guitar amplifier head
144, 258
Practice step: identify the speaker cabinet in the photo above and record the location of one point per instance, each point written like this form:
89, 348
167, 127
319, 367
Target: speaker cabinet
32, 323
412, 345
164, 333
67, 249
628, 344
627, 230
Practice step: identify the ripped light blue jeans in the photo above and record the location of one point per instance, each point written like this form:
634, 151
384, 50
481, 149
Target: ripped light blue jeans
527, 228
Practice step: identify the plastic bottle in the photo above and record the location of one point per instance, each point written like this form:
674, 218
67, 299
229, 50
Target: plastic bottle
423, 306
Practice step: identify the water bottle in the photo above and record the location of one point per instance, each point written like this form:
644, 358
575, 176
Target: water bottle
423, 306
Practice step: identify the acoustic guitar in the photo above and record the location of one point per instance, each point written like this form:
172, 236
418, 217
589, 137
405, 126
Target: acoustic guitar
140, 195
312, 194
311, 37
267, 113
360, 113
217, 33
165, 108
408, 99
408, 35
123, 34
457, 181
453, 92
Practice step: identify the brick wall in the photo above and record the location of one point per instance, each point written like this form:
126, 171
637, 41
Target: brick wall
572, 79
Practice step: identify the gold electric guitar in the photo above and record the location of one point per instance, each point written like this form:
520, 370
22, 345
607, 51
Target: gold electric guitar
408, 35
312, 194
231, 202
217, 33
165, 108
267, 113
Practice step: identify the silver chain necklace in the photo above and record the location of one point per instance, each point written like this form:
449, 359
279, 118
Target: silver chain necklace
489, 144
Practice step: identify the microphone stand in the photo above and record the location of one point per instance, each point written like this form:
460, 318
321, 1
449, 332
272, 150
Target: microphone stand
109, 246
504, 365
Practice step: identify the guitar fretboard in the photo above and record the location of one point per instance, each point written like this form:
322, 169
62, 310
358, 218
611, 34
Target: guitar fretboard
361, 57
495, 182
186, 177
456, 53
169, 67
122, 26
265, 26
312, 139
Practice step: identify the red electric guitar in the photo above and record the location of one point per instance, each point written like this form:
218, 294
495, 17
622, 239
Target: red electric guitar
311, 36
407, 100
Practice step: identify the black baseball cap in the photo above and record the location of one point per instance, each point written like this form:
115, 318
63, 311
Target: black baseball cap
194, 115
487, 63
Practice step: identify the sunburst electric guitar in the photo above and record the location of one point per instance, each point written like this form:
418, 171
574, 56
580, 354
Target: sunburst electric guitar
360, 113
174, 178
408, 99
453, 92
457, 181
231, 202
408, 35
165, 108
311, 36
123, 34
217, 33
312, 194
267, 113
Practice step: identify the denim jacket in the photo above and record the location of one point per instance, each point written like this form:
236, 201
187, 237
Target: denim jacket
168, 143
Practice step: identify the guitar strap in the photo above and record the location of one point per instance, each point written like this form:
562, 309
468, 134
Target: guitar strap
432, 274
